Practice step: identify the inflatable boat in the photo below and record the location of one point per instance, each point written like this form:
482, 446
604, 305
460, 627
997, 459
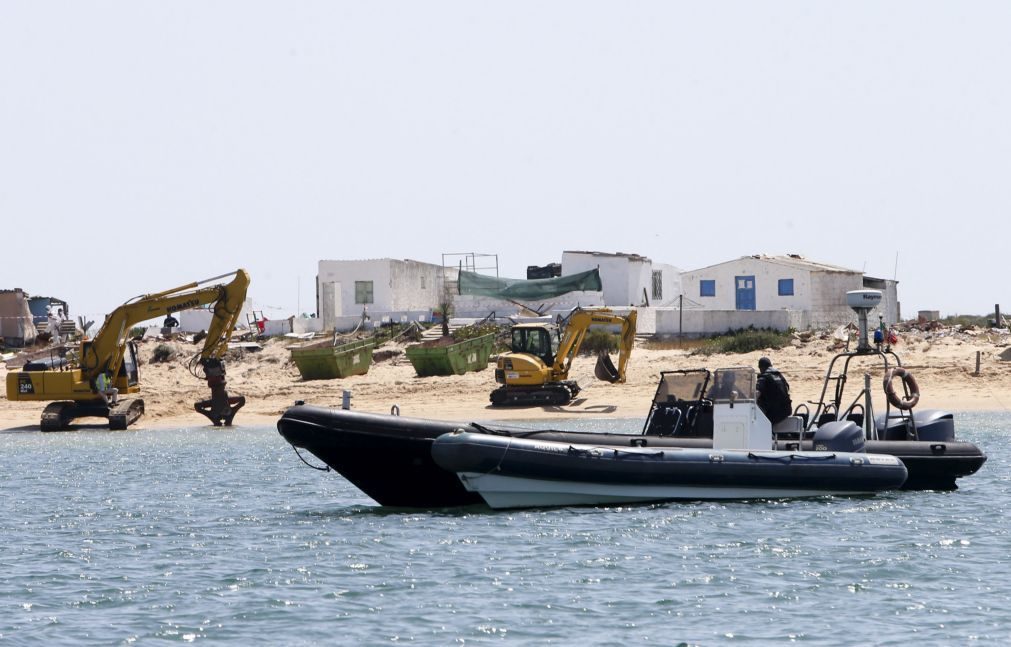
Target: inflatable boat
511, 472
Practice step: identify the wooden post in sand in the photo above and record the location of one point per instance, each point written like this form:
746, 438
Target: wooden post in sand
978, 354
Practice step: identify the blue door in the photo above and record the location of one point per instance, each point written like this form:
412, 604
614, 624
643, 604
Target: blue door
745, 292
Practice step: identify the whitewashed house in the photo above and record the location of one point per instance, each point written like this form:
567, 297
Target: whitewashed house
777, 292
399, 290
627, 279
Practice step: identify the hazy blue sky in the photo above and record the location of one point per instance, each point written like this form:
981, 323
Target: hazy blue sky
148, 144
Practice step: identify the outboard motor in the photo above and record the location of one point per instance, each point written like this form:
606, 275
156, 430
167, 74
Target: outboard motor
933, 425
839, 436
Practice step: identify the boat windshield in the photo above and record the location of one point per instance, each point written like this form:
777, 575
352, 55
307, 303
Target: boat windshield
737, 381
681, 385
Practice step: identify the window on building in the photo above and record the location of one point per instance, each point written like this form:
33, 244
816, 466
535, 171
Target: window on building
707, 288
786, 287
422, 281
363, 292
657, 285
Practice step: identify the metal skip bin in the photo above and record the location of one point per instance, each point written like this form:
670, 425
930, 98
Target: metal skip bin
329, 362
456, 359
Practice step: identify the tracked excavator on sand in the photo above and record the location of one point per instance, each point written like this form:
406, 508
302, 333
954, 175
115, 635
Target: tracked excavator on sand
92, 381
536, 371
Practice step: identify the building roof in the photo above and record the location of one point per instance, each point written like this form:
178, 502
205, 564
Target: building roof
631, 257
790, 260
371, 260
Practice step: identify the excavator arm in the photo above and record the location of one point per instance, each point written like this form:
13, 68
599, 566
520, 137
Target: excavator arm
579, 323
105, 353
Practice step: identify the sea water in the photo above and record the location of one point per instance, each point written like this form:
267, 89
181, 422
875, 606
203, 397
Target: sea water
223, 536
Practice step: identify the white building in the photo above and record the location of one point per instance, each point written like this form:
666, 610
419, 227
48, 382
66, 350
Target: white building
402, 290
774, 292
627, 279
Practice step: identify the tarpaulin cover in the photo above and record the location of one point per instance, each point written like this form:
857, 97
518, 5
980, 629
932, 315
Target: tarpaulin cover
529, 290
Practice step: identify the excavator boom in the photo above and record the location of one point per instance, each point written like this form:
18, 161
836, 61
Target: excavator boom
105, 352
579, 324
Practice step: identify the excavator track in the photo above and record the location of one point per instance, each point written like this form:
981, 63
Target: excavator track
556, 394
58, 415
125, 412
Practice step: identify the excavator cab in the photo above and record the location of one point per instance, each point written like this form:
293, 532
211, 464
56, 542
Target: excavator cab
129, 373
537, 341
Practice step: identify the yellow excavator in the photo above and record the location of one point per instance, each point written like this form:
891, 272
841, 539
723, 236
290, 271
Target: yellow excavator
91, 381
536, 371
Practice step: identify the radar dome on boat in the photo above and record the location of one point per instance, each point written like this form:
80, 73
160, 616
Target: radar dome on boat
863, 299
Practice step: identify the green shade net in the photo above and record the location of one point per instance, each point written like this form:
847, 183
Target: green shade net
530, 290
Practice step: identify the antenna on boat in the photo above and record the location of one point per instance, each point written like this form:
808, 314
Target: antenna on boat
862, 302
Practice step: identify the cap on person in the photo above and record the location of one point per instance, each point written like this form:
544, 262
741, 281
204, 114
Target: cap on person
764, 364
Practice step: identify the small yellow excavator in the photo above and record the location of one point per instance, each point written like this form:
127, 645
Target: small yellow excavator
89, 383
536, 371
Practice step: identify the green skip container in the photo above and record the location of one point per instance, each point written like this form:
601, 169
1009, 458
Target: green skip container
457, 359
330, 362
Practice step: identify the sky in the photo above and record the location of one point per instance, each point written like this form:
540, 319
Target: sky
144, 145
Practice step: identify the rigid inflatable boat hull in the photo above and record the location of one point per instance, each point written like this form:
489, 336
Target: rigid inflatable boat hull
516, 472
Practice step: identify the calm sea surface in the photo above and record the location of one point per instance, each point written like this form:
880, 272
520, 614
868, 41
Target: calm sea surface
203, 535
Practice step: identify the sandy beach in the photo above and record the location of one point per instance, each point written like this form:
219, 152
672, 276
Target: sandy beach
943, 362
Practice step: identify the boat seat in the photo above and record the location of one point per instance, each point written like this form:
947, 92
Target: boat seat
670, 419
788, 428
664, 420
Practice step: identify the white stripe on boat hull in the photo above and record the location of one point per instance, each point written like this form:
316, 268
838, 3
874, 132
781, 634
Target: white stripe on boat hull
500, 491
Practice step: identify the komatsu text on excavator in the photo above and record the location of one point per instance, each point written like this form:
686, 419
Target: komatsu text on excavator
536, 371
99, 378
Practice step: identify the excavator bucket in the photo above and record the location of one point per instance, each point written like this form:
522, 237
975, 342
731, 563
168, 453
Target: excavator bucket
221, 407
605, 370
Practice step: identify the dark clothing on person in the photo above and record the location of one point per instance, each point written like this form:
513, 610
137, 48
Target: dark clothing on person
170, 322
774, 395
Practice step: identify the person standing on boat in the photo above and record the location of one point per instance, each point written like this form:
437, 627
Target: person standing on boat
773, 392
